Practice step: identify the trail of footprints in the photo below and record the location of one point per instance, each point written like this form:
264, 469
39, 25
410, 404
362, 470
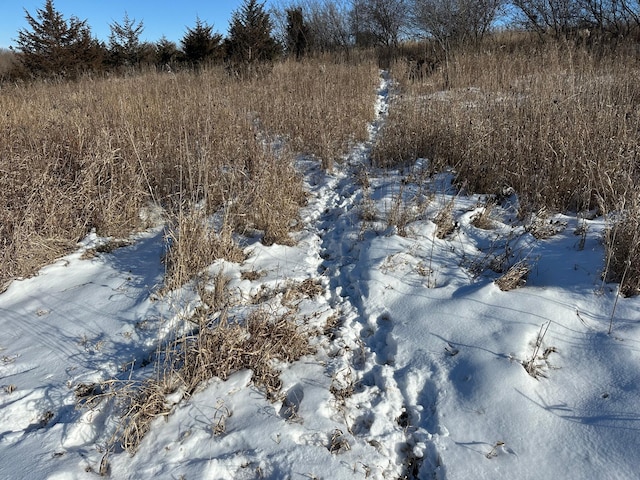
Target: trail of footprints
373, 391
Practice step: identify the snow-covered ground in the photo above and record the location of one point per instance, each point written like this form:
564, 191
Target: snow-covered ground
422, 376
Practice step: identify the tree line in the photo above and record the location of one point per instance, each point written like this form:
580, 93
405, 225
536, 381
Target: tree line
55, 46
52, 45
333, 24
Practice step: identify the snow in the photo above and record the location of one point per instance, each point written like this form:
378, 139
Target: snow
422, 378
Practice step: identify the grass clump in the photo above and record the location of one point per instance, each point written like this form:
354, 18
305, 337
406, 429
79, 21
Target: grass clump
484, 218
515, 277
444, 220
195, 244
622, 251
218, 349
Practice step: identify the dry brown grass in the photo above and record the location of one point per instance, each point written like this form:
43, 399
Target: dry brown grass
484, 219
515, 277
622, 242
211, 345
218, 154
7, 61
218, 349
444, 220
91, 154
548, 120
195, 244
326, 105
557, 123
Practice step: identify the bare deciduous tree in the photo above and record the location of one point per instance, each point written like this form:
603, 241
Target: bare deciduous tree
617, 18
557, 17
383, 20
455, 21
328, 22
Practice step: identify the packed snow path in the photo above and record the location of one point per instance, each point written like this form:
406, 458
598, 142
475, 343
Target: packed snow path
379, 408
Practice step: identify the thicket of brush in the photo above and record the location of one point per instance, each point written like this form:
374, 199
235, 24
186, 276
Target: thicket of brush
559, 122
93, 154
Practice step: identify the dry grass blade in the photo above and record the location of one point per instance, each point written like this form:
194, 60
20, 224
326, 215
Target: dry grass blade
494, 450
309, 288
483, 219
143, 405
622, 243
401, 214
214, 293
445, 224
515, 277
338, 443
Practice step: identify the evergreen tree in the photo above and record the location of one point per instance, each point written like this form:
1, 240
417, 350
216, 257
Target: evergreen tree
200, 44
124, 42
166, 53
55, 46
250, 39
297, 33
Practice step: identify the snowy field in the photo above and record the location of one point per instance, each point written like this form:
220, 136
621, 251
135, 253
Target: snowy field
422, 376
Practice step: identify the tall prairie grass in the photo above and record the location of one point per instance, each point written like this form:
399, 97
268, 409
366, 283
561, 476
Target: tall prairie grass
92, 154
557, 122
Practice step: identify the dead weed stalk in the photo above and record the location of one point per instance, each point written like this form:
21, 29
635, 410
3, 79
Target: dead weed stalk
537, 363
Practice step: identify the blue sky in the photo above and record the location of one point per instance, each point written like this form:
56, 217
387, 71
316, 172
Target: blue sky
160, 17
